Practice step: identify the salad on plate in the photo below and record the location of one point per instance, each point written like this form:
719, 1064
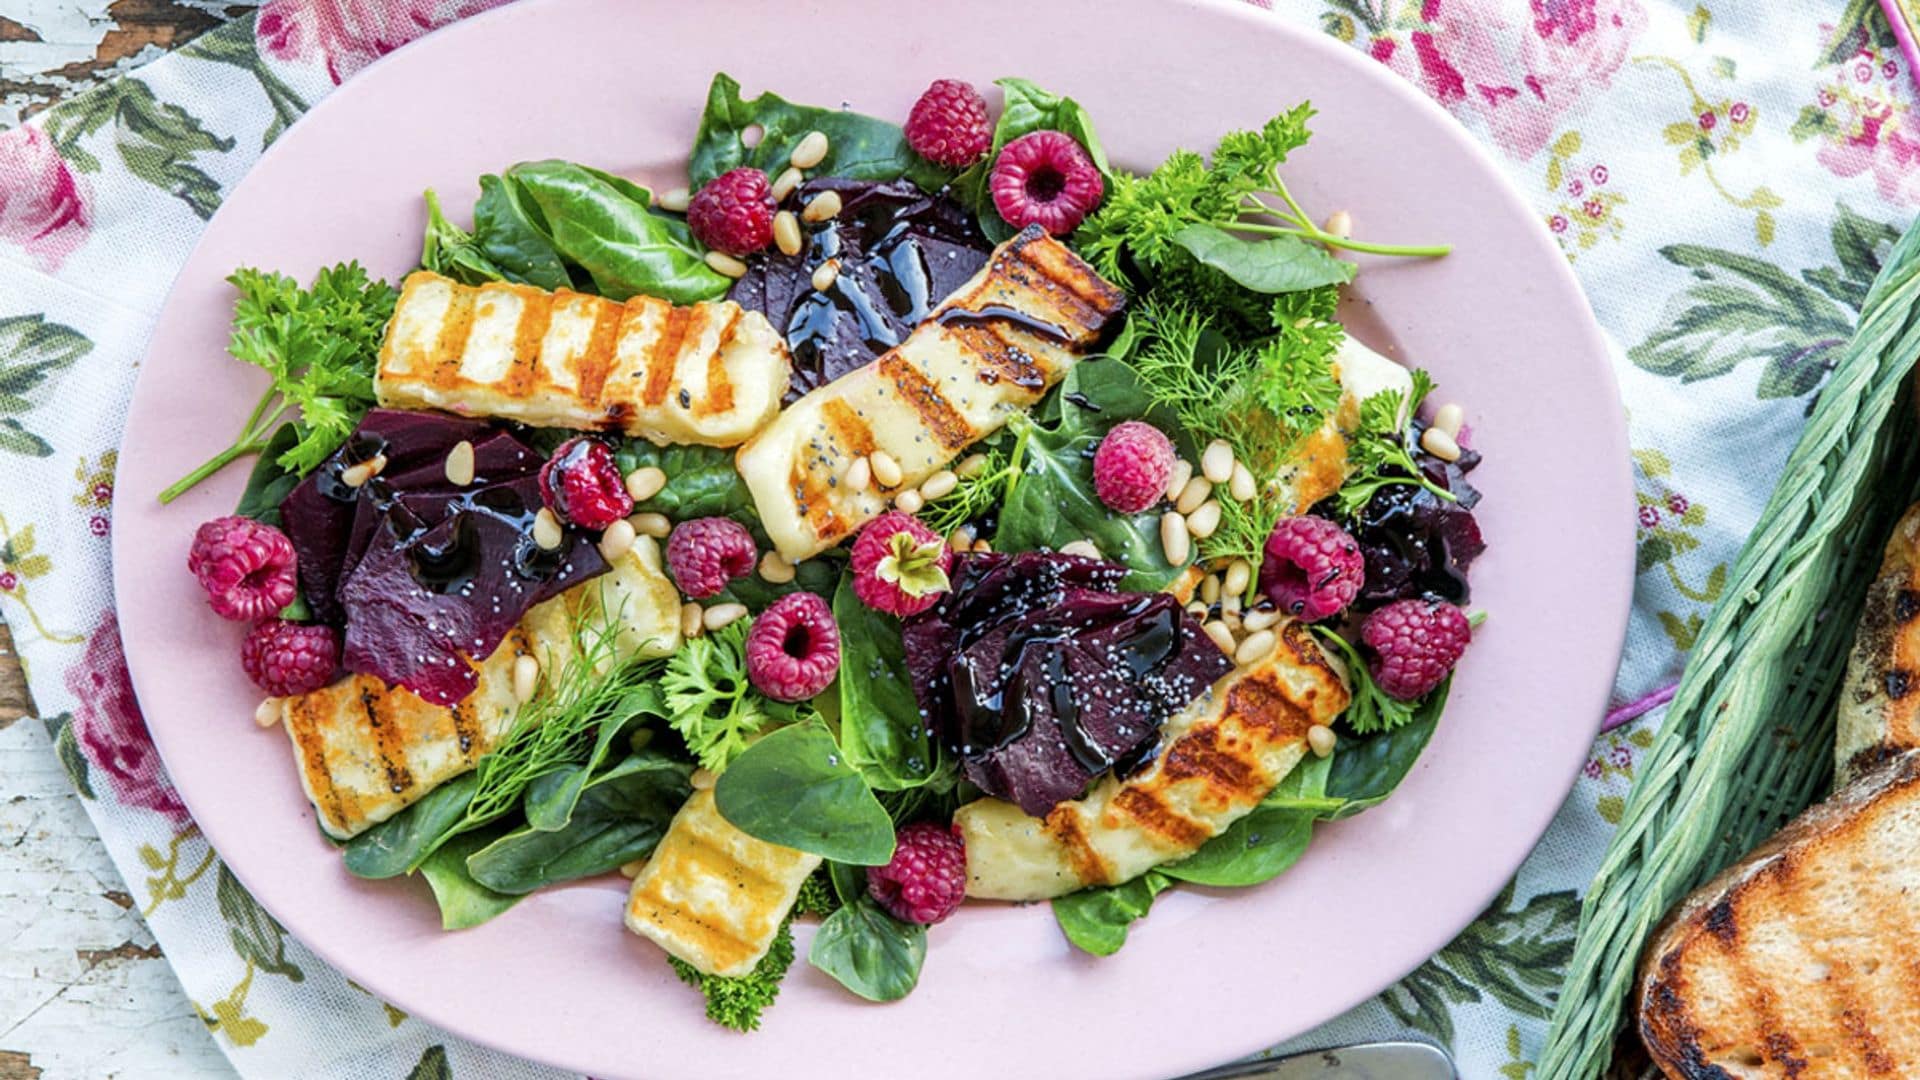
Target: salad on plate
895, 516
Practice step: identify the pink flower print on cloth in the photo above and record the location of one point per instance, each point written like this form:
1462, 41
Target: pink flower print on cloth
43, 204
347, 35
1863, 115
109, 729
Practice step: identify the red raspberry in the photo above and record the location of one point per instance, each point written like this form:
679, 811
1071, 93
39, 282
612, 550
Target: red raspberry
1416, 643
899, 565
1045, 178
247, 568
926, 879
706, 553
793, 648
1312, 569
1132, 467
285, 658
733, 212
948, 125
591, 493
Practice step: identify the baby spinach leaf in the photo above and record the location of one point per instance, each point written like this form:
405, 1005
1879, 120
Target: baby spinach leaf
1095, 920
1261, 845
464, 902
604, 226
505, 232
795, 788
865, 949
1026, 109
881, 728
1276, 264
550, 798
701, 480
398, 844
1366, 768
269, 484
858, 147
619, 816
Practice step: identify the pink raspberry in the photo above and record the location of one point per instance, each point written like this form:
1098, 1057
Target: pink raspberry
1312, 568
247, 568
1132, 467
793, 648
590, 492
733, 212
1045, 178
926, 879
948, 125
285, 658
706, 553
1416, 643
899, 565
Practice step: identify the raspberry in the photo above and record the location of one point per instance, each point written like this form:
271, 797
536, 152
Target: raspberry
948, 125
793, 648
285, 658
1416, 643
247, 568
1132, 467
926, 879
1045, 178
899, 565
591, 492
1312, 569
706, 553
733, 212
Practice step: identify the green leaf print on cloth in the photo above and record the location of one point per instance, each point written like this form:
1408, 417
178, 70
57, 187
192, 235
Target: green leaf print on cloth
1513, 954
256, 935
32, 351
158, 142
241, 51
433, 1065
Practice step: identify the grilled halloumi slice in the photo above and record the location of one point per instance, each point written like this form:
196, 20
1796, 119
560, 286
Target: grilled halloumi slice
1220, 756
366, 750
989, 350
712, 895
707, 373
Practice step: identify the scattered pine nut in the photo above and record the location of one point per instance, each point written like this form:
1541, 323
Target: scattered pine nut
1196, 492
632, 869
860, 474
810, 152
1241, 485
654, 525
970, 465
460, 464
357, 475
909, 501
1254, 646
822, 207
825, 275
1204, 519
1209, 587
644, 484
1221, 636
546, 530
960, 539
886, 469
784, 184
690, 624
1197, 609
1339, 224
1177, 480
1175, 541
720, 615
940, 485
1230, 608
1448, 418
1216, 463
702, 779
786, 233
675, 199
774, 567
1239, 576
1232, 619
1260, 618
617, 540
1082, 548
526, 678
983, 546
726, 265
1440, 444
1321, 739
268, 713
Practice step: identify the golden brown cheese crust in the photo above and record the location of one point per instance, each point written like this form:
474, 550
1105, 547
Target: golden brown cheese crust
1880, 700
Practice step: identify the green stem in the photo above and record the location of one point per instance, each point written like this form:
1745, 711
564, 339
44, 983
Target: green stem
253, 439
1321, 237
1016, 459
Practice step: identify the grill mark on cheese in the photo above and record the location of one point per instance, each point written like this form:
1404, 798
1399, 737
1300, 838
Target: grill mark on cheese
937, 416
389, 742
303, 725
719, 396
523, 373
1001, 360
665, 359
465, 733
442, 369
697, 857
1261, 705
593, 367
1202, 754
1063, 824
844, 430
1148, 810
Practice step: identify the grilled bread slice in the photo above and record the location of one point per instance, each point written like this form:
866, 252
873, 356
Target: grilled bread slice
366, 750
712, 895
988, 351
1221, 756
1798, 961
1880, 700
708, 373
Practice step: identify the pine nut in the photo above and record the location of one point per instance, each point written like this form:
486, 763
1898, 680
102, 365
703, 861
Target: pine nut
825, 274
1191, 496
1177, 480
1082, 548
940, 485
860, 474
268, 713
617, 540
983, 546
784, 184
1448, 418
1221, 636
811, 151
1440, 444
674, 199
1321, 739
720, 615
786, 233
690, 625
702, 779
654, 525
1260, 618
632, 869
1241, 485
960, 539
726, 265
1232, 619
357, 475
886, 469
1253, 647
1204, 519
1210, 589
909, 501
1174, 538
546, 530
644, 484
822, 207
1239, 576
1197, 609
1216, 463
1230, 608
1339, 224
460, 464
526, 678
775, 568
970, 465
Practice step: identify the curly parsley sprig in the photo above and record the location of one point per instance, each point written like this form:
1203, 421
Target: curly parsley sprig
1380, 454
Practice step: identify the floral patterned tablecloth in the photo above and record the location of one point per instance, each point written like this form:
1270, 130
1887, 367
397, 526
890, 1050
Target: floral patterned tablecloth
1723, 175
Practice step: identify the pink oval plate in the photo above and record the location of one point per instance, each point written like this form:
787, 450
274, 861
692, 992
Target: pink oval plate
1210, 975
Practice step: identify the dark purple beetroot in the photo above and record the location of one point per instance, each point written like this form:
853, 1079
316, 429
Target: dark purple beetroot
1042, 675
421, 575
901, 252
1417, 544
